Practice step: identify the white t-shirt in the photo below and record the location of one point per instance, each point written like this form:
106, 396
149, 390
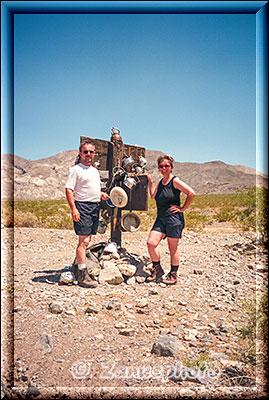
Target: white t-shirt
85, 181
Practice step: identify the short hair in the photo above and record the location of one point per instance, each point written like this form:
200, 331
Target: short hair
86, 142
78, 158
165, 157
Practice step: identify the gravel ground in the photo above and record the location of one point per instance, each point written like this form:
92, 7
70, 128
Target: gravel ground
99, 342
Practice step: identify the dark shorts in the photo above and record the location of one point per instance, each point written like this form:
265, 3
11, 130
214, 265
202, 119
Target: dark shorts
172, 225
89, 217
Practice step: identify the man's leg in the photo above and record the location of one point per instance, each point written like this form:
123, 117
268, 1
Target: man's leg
83, 277
83, 243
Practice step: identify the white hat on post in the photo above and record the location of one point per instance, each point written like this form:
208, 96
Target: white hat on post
119, 197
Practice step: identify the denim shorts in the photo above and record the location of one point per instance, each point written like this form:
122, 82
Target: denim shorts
89, 218
171, 225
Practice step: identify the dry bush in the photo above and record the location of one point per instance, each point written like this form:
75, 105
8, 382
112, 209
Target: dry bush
26, 219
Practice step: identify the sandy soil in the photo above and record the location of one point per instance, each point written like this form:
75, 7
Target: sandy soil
99, 344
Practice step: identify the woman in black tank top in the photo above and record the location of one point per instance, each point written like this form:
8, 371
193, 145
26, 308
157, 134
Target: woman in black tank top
166, 196
170, 219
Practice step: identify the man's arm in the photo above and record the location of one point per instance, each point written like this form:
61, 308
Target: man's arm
70, 198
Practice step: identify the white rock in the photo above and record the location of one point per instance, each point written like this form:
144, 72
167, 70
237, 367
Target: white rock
108, 264
141, 303
131, 281
67, 277
110, 274
127, 269
182, 302
70, 312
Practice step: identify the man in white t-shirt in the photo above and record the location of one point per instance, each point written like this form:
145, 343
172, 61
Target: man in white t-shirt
83, 193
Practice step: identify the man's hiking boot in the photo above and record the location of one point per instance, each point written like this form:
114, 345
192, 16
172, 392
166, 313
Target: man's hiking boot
74, 270
83, 277
156, 274
170, 278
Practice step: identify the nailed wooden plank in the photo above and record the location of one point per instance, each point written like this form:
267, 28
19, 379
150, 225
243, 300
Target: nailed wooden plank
110, 155
102, 151
135, 151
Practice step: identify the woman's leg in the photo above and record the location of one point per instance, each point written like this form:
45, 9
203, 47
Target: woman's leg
173, 245
171, 277
154, 239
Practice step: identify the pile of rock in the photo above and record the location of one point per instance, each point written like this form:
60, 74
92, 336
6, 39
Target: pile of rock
109, 264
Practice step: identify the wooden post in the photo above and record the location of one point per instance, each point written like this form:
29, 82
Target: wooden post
117, 152
115, 235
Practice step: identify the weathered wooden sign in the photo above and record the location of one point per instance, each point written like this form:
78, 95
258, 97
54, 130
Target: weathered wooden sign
109, 155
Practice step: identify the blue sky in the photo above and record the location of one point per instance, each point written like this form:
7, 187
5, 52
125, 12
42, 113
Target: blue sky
183, 84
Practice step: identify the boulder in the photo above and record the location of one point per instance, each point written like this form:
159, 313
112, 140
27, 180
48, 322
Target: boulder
166, 346
127, 269
110, 274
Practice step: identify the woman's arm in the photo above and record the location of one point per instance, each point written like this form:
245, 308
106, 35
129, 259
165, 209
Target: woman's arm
186, 189
152, 189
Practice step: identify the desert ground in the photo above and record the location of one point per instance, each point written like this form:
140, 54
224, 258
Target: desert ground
130, 339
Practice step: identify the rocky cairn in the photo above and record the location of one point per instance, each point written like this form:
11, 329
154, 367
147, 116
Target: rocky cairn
108, 264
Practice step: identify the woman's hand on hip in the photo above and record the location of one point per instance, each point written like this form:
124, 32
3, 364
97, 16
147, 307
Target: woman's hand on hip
176, 209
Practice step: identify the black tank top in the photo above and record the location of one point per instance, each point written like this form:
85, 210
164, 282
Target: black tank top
166, 196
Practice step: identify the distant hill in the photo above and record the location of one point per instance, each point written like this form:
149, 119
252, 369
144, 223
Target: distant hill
45, 178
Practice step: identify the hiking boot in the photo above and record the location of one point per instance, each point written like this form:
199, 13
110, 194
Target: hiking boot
170, 278
156, 274
74, 270
84, 279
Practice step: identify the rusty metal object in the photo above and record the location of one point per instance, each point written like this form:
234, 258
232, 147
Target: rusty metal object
115, 136
130, 222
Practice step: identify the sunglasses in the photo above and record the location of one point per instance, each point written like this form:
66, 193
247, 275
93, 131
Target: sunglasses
88, 151
165, 166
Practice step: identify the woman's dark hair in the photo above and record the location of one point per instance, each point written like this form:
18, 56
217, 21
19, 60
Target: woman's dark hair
165, 157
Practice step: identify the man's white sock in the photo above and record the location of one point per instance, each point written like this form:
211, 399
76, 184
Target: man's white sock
81, 266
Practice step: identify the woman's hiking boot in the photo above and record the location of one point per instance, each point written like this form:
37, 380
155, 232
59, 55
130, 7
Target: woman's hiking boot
170, 278
156, 273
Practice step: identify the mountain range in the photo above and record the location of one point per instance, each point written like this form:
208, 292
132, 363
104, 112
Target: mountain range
45, 178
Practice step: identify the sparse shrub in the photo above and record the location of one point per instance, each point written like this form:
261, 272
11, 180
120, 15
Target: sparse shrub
7, 213
255, 326
216, 201
226, 214
255, 213
203, 361
196, 221
247, 209
37, 214
26, 219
